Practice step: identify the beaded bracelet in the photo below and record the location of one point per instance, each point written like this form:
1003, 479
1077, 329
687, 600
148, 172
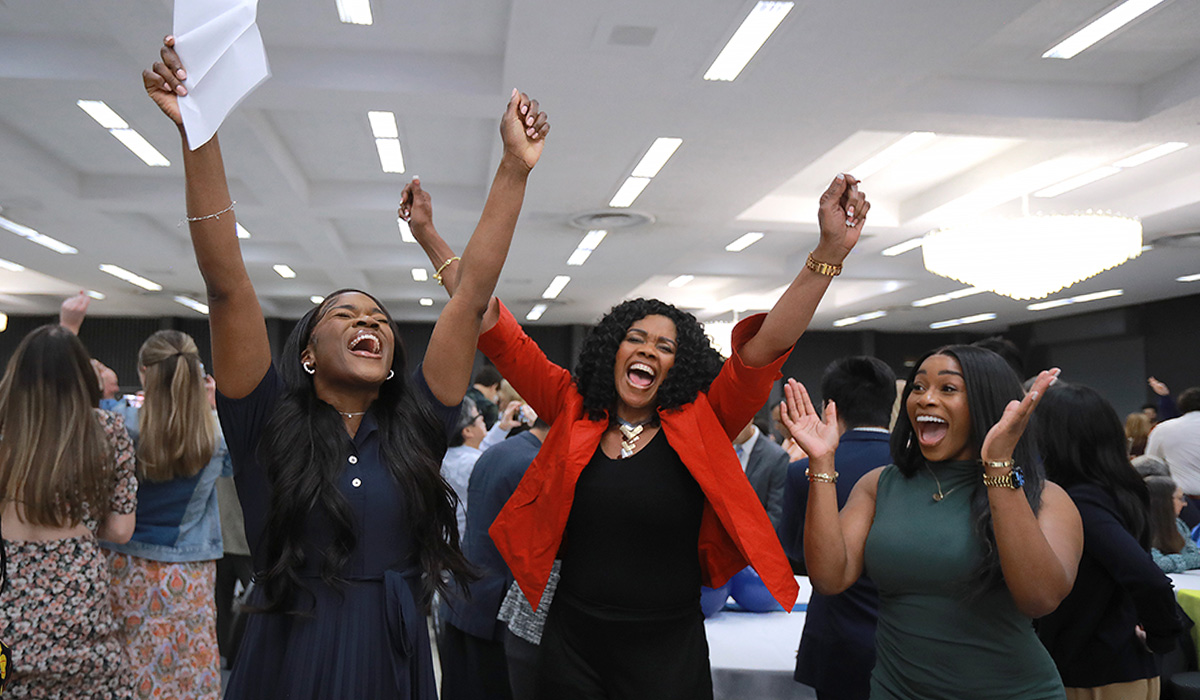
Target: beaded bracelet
192, 219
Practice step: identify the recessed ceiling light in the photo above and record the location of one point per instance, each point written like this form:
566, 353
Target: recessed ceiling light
681, 280
892, 153
1108, 23
748, 39
850, 321
977, 318
99, 296
284, 271
420, 274
1150, 154
629, 191
355, 11
391, 159
590, 242
11, 266
656, 157
241, 231
744, 242
406, 234
383, 125
316, 298
536, 312
192, 304
426, 301
949, 296
130, 277
1080, 299
1188, 278
103, 114
578, 257
556, 287
904, 247
140, 147
1078, 181
33, 236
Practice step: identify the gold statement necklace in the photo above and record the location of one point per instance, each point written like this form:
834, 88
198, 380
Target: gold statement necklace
630, 432
939, 496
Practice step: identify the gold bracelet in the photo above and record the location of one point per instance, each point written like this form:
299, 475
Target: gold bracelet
822, 268
438, 275
1000, 464
823, 478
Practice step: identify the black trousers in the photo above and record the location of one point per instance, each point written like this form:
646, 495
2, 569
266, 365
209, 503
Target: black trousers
231, 569
472, 668
522, 657
585, 657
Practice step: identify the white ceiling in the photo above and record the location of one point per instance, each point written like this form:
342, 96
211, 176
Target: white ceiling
836, 83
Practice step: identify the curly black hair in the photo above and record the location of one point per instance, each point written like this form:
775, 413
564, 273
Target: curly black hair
697, 362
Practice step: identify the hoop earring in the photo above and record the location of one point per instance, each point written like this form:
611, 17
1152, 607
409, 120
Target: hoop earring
308, 368
391, 373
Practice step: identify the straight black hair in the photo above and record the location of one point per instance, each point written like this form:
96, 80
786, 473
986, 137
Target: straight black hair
1083, 442
864, 389
990, 384
303, 450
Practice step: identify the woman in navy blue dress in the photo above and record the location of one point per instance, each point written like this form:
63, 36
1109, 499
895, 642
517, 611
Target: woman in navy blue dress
337, 447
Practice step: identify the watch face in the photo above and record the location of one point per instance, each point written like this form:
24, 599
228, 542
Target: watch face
1018, 477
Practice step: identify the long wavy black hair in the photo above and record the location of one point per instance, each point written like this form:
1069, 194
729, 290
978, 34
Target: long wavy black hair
1083, 442
697, 362
990, 383
303, 450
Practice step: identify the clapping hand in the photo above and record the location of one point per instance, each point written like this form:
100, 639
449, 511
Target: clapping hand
523, 129
818, 438
1002, 439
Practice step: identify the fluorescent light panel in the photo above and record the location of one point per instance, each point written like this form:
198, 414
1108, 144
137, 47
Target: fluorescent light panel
910, 244
140, 147
1080, 299
103, 114
33, 236
556, 287
748, 39
578, 257
744, 242
590, 242
1150, 154
977, 318
192, 304
850, 321
355, 11
406, 234
949, 296
1189, 278
284, 271
892, 153
383, 125
420, 274
241, 231
656, 157
1108, 23
629, 191
681, 280
11, 266
536, 312
130, 277
99, 296
426, 301
1077, 181
391, 159
316, 298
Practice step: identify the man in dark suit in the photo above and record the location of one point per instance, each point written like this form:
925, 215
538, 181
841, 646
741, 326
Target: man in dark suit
765, 464
474, 665
837, 648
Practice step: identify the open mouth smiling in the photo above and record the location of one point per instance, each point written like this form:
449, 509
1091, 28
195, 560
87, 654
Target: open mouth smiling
931, 429
641, 375
366, 344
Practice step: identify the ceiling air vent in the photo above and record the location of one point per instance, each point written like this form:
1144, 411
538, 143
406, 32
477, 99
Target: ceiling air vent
609, 219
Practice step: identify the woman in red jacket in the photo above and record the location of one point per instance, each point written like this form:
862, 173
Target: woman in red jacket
638, 473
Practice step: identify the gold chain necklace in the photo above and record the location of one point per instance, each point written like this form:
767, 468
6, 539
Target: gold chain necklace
939, 496
630, 433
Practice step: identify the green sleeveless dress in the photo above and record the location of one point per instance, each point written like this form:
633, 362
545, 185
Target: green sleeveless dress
932, 642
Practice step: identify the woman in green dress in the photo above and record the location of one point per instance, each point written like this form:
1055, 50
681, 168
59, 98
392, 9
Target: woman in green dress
965, 539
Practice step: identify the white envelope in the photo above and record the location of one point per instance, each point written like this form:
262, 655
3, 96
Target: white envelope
222, 51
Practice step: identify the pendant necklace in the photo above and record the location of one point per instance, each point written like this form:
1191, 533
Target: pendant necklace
351, 415
630, 432
937, 497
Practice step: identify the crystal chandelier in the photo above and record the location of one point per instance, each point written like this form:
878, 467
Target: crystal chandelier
1029, 257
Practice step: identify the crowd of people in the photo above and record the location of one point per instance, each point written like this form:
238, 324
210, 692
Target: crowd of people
969, 531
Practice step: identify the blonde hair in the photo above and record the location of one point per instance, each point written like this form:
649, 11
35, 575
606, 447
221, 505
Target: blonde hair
56, 463
176, 432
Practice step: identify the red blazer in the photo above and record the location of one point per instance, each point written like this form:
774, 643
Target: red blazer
734, 529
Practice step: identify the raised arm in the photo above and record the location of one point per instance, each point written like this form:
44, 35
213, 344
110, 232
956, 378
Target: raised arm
72, 312
833, 543
451, 351
842, 211
240, 346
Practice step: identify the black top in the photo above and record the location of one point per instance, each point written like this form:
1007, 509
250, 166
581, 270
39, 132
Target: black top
632, 536
1091, 635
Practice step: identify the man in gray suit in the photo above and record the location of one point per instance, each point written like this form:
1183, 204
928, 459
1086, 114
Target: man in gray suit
765, 464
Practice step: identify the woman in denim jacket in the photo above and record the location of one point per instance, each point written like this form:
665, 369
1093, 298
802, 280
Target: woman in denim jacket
164, 577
